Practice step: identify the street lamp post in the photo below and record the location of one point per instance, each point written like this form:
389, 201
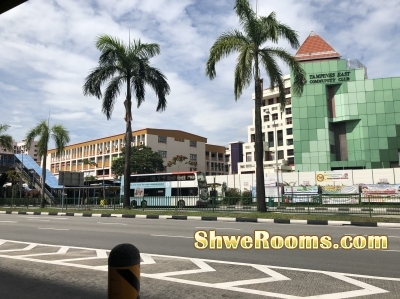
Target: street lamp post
276, 159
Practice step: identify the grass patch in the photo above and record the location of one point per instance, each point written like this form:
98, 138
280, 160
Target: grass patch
232, 214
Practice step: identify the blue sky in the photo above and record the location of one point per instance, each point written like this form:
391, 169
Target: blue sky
47, 50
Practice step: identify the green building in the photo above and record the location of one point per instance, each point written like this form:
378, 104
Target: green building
343, 120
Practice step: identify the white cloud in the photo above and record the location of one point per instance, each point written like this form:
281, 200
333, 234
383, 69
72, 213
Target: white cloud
48, 49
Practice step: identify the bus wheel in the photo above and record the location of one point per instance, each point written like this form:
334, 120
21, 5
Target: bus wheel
134, 204
144, 204
181, 204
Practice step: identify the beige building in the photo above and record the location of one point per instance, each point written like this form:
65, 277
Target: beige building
20, 148
168, 143
280, 139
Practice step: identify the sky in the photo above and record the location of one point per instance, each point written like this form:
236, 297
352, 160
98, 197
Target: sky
48, 48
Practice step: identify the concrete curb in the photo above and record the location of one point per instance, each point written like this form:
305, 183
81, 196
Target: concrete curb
211, 218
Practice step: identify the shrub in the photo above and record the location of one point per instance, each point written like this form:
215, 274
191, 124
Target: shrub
247, 197
232, 196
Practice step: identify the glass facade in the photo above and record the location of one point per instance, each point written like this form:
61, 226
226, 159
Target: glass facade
343, 120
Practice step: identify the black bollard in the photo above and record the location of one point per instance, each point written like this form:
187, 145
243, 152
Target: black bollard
124, 272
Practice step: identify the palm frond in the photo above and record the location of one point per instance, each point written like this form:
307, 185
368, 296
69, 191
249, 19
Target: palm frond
227, 43
298, 73
110, 95
157, 80
6, 141
60, 136
285, 32
247, 17
96, 79
243, 71
143, 50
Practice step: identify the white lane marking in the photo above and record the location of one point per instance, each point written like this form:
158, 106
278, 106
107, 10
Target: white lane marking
8, 221
101, 253
168, 236
147, 259
111, 223
29, 247
202, 264
50, 228
39, 219
229, 228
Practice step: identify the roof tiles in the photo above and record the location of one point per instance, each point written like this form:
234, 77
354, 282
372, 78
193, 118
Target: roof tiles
315, 48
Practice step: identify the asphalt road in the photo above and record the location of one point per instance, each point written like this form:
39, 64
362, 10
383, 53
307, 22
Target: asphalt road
176, 238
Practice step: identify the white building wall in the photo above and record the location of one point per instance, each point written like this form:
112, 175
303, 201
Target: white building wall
19, 148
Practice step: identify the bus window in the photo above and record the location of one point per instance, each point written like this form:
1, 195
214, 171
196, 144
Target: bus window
154, 192
184, 192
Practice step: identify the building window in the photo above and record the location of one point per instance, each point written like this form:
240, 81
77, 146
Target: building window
248, 157
162, 139
270, 101
266, 118
289, 131
275, 116
193, 143
193, 157
253, 138
287, 90
289, 141
163, 154
263, 103
288, 111
280, 155
288, 101
291, 161
290, 152
288, 120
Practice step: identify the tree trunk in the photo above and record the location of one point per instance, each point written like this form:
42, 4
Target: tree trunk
128, 140
259, 148
43, 200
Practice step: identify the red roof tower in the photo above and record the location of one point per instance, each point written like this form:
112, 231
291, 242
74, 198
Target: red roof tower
315, 48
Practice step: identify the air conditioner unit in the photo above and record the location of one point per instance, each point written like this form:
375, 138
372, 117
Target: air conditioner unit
266, 110
284, 162
141, 142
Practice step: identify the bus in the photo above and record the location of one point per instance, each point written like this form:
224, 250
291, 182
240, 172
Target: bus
180, 189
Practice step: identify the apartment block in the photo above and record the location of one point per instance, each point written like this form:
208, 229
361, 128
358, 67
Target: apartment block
20, 148
168, 143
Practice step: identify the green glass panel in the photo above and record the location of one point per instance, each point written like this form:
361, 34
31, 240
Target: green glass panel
371, 108
390, 118
296, 123
378, 84
351, 87
308, 67
361, 97
396, 94
304, 124
388, 95
333, 67
383, 143
381, 119
373, 131
387, 83
393, 155
396, 106
396, 83
379, 108
360, 85
321, 134
312, 123
305, 145
304, 136
353, 109
375, 155
342, 65
359, 75
388, 107
369, 85
324, 67
318, 89
311, 111
352, 98
303, 112
373, 143
320, 122
310, 101
370, 96
312, 134
367, 156
381, 131
362, 108
378, 96
317, 67
391, 131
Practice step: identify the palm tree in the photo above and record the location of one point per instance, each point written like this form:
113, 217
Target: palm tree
126, 64
257, 30
44, 132
6, 140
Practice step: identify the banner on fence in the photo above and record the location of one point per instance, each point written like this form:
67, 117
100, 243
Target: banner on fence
340, 200
330, 189
296, 194
300, 189
325, 176
269, 192
381, 193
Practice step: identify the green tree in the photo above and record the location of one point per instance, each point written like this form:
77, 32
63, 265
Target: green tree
130, 65
143, 160
257, 30
180, 160
44, 132
14, 177
6, 140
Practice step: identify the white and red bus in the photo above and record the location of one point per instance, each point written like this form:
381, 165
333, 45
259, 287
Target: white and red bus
179, 189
